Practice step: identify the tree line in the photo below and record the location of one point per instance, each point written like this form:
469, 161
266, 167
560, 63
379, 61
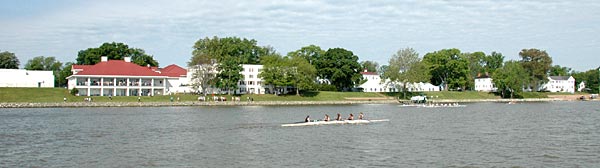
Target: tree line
90, 56
217, 64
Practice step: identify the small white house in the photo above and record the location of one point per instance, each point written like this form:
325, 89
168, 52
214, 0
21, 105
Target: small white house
581, 87
26, 78
484, 83
560, 84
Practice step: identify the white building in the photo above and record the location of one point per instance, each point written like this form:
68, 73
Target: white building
26, 78
581, 87
374, 83
251, 83
123, 78
483, 83
560, 84
423, 87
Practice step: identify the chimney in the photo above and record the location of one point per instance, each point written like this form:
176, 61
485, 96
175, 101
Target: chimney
103, 58
127, 59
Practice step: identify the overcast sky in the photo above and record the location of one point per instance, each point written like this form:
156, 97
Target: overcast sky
374, 30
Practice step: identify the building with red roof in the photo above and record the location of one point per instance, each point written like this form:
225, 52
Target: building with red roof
124, 78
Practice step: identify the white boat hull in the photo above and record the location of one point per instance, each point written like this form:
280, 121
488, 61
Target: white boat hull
333, 122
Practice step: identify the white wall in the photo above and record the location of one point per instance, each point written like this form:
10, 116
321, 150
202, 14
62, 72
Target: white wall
484, 85
373, 84
174, 85
253, 84
26, 78
560, 85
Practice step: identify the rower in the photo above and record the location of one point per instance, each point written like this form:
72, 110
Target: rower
351, 117
326, 118
360, 116
307, 119
339, 117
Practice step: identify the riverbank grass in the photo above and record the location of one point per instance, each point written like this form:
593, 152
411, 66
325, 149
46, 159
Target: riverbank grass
45, 95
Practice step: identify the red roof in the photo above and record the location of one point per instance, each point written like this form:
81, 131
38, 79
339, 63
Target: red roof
83, 67
173, 71
117, 68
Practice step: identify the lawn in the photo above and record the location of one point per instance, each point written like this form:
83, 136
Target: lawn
36, 95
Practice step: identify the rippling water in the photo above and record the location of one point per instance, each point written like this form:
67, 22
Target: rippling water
553, 134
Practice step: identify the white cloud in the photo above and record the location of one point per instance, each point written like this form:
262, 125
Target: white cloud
374, 30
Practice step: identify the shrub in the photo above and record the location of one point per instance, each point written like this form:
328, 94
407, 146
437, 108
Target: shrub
326, 87
74, 91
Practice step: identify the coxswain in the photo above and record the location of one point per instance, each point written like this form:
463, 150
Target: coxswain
307, 119
339, 117
351, 117
360, 116
326, 118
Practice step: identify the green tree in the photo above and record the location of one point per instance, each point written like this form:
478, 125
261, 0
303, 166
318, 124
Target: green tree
447, 67
382, 69
115, 51
405, 67
8, 60
230, 53
509, 79
370, 66
340, 66
557, 70
310, 53
303, 74
44, 64
493, 62
61, 76
537, 64
292, 70
274, 71
476, 66
590, 78
229, 74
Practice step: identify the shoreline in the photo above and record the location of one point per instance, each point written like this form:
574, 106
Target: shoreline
255, 103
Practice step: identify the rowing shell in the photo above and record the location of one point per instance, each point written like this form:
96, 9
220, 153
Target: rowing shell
333, 122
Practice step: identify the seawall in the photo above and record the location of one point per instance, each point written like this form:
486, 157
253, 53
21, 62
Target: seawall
186, 103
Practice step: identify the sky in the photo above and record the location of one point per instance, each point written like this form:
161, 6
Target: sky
374, 30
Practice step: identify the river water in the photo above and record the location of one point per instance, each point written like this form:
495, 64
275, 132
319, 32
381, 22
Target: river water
550, 134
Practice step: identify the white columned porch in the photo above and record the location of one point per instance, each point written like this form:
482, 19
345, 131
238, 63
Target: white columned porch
152, 86
127, 87
89, 84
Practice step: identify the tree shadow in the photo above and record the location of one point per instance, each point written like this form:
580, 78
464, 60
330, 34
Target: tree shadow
309, 93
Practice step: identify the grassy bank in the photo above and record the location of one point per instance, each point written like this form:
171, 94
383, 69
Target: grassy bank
43, 95
48, 95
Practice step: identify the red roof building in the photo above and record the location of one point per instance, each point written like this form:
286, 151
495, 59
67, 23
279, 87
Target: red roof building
124, 78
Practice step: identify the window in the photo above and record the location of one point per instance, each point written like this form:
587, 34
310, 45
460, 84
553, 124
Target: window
251, 76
